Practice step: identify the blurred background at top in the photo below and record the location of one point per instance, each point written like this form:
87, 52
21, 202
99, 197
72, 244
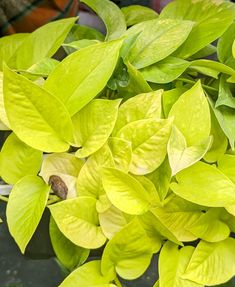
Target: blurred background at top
18, 16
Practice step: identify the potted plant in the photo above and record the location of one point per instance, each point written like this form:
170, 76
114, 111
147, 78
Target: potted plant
128, 142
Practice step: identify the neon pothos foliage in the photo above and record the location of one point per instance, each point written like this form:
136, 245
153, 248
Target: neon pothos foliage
129, 141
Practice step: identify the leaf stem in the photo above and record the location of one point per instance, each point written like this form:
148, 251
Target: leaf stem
193, 82
117, 282
3, 198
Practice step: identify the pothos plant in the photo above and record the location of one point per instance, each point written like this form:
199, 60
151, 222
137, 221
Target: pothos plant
129, 141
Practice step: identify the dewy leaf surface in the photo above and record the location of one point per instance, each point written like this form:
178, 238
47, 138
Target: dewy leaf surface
70, 255
128, 252
94, 124
85, 74
192, 115
205, 185
212, 263
64, 165
77, 219
42, 121
181, 156
142, 106
212, 18
18, 160
25, 207
172, 264
88, 275
157, 40
43, 42
125, 192
149, 139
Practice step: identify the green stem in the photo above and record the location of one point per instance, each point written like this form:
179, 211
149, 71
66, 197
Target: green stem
192, 82
3, 198
117, 282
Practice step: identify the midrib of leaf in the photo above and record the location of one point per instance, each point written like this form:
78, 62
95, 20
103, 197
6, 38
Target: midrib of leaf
162, 33
146, 139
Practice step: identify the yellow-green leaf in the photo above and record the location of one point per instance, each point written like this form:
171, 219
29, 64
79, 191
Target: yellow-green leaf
42, 121
78, 220
25, 207
18, 159
206, 185
94, 124
192, 115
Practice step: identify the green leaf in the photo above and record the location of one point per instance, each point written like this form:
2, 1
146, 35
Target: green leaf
112, 221
219, 144
204, 52
177, 215
43, 42
225, 97
3, 115
172, 264
161, 36
80, 32
89, 181
211, 68
160, 226
209, 227
170, 97
136, 84
64, 165
135, 14
128, 252
77, 219
125, 192
42, 121
18, 160
182, 156
149, 139
161, 178
165, 71
149, 186
225, 43
79, 44
226, 118
212, 18
85, 73
212, 263
42, 68
151, 229
25, 207
88, 275
121, 152
70, 255
111, 16
94, 124
205, 185
192, 115
8, 46
226, 164
143, 106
